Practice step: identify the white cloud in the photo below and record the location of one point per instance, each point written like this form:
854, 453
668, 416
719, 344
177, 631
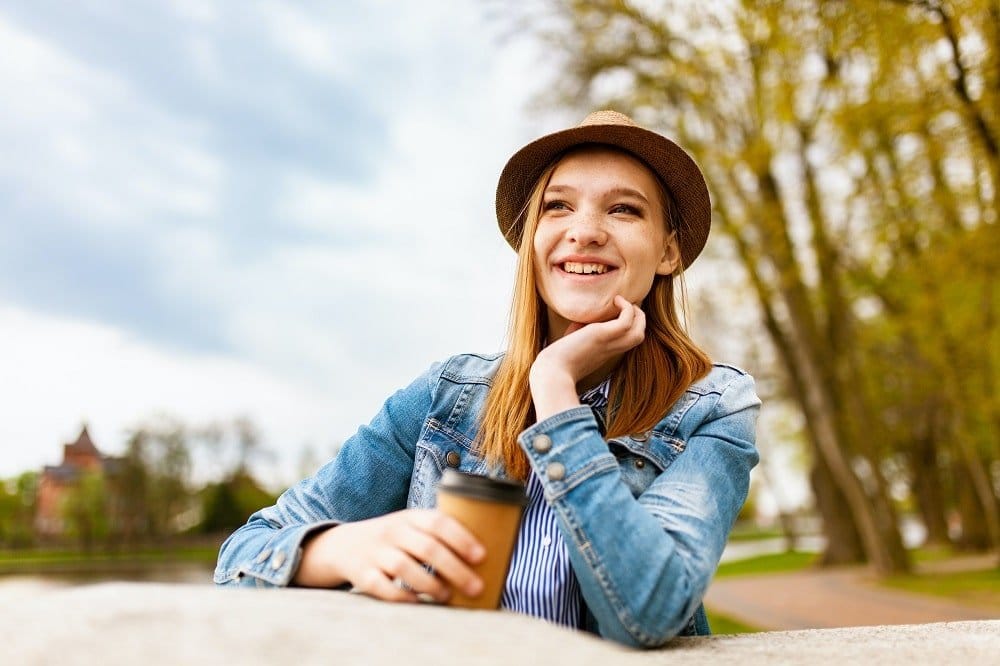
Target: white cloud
324, 330
59, 373
309, 40
197, 11
81, 138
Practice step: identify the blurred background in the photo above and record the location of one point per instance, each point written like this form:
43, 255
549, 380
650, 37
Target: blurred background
228, 231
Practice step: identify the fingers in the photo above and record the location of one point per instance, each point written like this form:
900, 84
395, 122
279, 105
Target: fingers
627, 329
626, 315
451, 532
399, 564
401, 547
375, 583
444, 544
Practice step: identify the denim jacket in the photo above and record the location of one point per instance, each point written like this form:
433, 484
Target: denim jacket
645, 517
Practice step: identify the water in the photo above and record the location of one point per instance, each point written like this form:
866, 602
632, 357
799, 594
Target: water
159, 572
201, 572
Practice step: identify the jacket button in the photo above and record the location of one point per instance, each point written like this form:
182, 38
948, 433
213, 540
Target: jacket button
555, 471
640, 463
277, 560
542, 443
453, 459
264, 554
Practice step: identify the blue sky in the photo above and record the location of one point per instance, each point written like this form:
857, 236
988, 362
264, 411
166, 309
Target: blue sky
281, 209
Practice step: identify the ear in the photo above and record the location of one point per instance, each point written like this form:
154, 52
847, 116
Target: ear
671, 256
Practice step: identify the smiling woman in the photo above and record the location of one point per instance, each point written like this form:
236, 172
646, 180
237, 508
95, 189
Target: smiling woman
634, 449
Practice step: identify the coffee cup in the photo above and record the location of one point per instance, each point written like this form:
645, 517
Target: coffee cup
491, 509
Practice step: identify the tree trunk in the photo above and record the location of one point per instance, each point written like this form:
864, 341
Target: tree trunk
798, 343
879, 535
785, 519
843, 543
928, 490
975, 532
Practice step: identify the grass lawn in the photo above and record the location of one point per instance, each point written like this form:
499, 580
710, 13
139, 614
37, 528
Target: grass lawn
974, 588
723, 624
779, 562
754, 534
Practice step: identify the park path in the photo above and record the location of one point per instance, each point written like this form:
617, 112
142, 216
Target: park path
842, 597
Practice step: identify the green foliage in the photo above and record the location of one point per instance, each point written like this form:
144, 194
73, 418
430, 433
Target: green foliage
852, 153
85, 511
152, 484
227, 505
157, 495
17, 510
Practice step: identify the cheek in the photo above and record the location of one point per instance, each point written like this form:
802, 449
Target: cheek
541, 246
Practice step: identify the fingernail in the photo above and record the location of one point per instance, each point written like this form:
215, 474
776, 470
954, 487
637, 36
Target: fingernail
474, 587
477, 553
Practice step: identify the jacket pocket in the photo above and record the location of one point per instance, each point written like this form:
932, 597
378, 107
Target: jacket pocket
641, 458
439, 448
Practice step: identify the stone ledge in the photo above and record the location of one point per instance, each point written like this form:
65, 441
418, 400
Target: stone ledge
151, 624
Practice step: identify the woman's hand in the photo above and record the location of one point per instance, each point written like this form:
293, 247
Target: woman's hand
583, 350
373, 554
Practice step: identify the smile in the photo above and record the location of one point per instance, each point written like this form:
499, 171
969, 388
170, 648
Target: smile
585, 269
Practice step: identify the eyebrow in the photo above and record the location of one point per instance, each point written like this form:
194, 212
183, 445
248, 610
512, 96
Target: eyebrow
613, 192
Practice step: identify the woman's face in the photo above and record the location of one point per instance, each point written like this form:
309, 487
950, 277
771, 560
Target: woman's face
600, 233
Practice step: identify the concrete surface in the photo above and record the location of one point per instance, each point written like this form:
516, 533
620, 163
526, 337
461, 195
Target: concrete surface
151, 624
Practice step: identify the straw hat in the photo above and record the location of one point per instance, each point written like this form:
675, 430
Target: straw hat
665, 158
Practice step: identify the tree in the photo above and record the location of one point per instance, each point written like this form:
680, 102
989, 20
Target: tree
17, 510
85, 511
153, 481
228, 504
833, 175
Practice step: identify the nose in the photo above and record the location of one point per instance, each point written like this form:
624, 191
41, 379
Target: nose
587, 229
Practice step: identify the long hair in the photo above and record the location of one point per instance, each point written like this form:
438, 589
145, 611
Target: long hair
644, 385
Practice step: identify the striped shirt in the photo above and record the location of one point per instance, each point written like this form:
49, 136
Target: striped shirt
541, 581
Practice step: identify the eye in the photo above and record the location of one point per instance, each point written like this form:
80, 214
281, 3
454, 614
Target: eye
555, 204
625, 209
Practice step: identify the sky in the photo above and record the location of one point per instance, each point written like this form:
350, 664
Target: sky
280, 210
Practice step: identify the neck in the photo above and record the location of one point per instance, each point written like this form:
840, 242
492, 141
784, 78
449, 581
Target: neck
559, 328
598, 376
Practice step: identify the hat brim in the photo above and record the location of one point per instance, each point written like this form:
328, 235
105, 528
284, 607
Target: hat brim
677, 170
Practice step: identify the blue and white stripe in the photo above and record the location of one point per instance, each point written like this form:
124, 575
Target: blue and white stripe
541, 581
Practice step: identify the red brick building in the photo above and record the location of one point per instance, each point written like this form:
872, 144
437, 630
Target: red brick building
79, 457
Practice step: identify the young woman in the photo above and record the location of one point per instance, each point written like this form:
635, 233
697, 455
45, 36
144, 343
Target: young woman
634, 448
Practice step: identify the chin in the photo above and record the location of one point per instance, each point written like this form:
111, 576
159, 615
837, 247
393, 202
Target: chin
589, 315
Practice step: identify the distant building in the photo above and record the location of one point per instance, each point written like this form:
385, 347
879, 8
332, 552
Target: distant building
79, 458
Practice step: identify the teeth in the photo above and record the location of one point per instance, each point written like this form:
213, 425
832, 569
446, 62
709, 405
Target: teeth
586, 269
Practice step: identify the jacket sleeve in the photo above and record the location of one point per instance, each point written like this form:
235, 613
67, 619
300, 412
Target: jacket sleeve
644, 563
370, 476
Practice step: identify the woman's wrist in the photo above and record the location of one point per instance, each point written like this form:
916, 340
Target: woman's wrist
552, 391
317, 567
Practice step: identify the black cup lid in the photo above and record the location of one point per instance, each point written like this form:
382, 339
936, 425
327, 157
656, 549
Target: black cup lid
482, 487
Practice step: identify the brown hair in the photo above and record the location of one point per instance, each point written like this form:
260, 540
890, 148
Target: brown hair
647, 381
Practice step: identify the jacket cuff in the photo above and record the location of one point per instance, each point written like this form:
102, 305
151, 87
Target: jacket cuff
566, 449
277, 562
